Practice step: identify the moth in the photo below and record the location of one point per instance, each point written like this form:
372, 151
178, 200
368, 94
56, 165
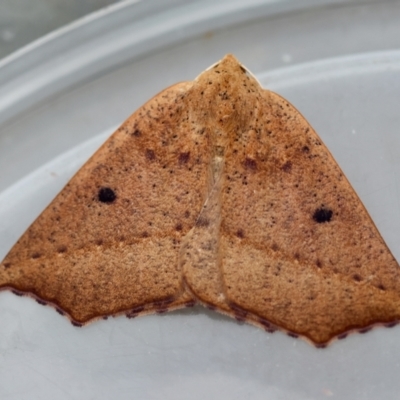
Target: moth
215, 192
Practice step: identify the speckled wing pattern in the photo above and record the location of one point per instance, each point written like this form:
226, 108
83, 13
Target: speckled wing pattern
215, 192
109, 242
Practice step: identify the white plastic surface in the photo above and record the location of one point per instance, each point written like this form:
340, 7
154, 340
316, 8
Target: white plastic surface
353, 102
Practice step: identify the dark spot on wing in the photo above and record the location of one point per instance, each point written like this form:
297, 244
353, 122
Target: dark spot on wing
77, 324
322, 214
267, 325
137, 133
240, 233
164, 302
250, 164
106, 195
287, 167
150, 155
184, 158
135, 312
238, 311
61, 249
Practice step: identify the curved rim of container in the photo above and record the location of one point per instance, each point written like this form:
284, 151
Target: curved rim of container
332, 68
87, 46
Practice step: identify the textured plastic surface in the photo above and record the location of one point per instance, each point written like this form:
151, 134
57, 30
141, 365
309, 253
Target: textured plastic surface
54, 118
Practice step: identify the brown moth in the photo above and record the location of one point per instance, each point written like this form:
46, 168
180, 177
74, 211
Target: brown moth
215, 192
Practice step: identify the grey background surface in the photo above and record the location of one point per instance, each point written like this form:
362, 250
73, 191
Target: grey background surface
22, 21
